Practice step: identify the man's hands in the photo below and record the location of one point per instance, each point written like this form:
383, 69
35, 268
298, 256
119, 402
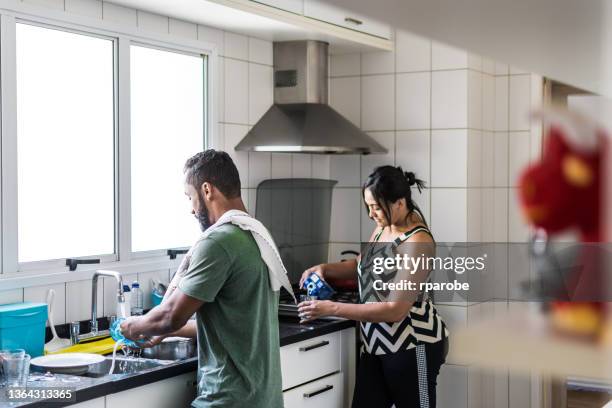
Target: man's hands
319, 270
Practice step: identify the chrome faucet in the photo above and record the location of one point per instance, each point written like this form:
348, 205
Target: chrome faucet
75, 336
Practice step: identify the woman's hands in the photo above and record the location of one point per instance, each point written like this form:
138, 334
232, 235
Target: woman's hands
318, 269
313, 309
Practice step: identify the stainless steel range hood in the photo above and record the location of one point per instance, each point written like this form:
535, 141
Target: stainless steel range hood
301, 121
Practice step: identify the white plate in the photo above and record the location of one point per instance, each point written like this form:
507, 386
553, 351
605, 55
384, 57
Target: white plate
69, 363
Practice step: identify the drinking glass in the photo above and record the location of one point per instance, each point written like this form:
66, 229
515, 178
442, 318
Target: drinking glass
16, 369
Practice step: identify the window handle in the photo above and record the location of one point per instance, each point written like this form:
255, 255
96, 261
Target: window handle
353, 21
172, 253
72, 263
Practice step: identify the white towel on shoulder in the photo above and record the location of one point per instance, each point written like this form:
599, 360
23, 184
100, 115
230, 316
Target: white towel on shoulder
267, 248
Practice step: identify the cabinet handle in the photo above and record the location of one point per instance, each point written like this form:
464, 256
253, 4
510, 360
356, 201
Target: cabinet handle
314, 346
353, 21
317, 392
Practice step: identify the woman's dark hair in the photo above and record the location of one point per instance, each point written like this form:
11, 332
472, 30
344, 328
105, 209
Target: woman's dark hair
389, 184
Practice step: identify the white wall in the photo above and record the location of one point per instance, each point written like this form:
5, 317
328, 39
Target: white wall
460, 122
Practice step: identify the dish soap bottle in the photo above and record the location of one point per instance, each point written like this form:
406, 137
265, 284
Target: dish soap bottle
136, 299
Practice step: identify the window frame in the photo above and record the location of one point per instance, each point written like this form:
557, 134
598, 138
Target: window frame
123, 37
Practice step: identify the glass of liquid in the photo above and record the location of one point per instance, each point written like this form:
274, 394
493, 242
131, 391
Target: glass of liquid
304, 298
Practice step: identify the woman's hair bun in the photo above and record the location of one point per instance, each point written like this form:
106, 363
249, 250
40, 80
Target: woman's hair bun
411, 177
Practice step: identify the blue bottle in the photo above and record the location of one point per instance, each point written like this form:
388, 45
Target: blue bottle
315, 286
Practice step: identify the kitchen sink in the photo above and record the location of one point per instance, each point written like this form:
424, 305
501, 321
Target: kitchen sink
125, 365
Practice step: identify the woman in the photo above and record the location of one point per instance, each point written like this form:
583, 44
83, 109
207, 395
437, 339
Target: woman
404, 340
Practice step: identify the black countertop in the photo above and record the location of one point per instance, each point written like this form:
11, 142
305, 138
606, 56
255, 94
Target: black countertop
90, 388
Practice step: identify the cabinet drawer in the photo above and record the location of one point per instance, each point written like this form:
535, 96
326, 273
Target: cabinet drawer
320, 10
323, 393
294, 6
309, 359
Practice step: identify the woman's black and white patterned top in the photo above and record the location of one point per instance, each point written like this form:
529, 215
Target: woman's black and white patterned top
423, 324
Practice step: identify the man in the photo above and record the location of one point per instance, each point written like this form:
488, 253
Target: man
227, 286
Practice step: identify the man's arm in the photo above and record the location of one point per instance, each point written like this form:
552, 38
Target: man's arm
169, 318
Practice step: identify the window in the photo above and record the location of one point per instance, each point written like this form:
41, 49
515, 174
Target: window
167, 122
65, 144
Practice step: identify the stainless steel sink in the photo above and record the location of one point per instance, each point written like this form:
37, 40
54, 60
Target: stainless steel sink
125, 365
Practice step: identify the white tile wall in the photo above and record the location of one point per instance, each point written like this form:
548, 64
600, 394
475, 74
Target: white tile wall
78, 300
445, 56
377, 102
382, 62
233, 135
11, 296
259, 168
413, 53
371, 161
501, 103
281, 165
236, 91
412, 95
89, 8
345, 97
518, 154
520, 102
449, 214
346, 206
449, 92
345, 65
260, 91
452, 387
449, 158
301, 166
119, 14
39, 294
236, 46
321, 166
260, 51
346, 170
183, 29
412, 152
56, 4
152, 22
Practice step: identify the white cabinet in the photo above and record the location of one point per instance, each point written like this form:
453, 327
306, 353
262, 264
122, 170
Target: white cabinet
320, 372
323, 393
294, 6
177, 391
309, 359
321, 10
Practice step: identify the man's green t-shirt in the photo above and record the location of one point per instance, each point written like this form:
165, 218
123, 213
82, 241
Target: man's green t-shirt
238, 337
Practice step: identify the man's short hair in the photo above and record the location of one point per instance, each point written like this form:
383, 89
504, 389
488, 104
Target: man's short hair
215, 167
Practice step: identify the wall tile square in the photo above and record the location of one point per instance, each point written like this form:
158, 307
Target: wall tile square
501, 103
423, 200
487, 216
345, 97
345, 169
89, 8
377, 107
236, 91
501, 159
367, 224
301, 165
449, 158
345, 65
183, 29
449, 214
261, 95
413, 104
281, 165
520, 102
413, 53
444, 56
260, 51
488, 66
474, 159
371, 161
119, 14
474, 215
236, 45
474, 62
488, 102
11, 296
259, 168
474, 100
154, 23
220, 89
518, 155
488, 159
346, 205
518, 230
500, 211
233, 135
380, 62
78, 300
501, 68
452, 390
39, 294
321, 166
449, 99
412, 152
212, 35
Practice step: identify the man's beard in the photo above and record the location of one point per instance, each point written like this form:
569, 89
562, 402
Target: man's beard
202, 214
